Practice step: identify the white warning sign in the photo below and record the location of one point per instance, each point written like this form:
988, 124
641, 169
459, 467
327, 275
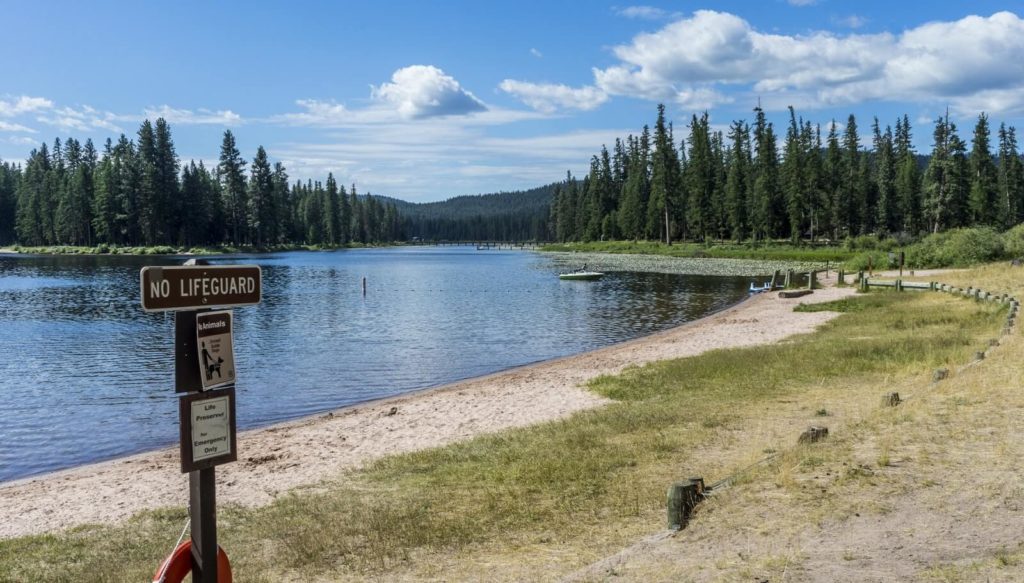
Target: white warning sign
216, 350
211, 428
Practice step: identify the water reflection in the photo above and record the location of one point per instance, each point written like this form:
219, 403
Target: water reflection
86, 375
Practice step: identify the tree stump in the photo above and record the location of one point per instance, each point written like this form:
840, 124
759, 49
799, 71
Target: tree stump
890, 399
940, 374
813, 434
683, 497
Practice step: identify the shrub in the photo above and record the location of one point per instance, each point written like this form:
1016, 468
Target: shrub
957, 248
877, 259
1013, 242
870, 243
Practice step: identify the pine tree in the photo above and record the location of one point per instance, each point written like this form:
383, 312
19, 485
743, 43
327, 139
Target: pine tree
700, 179
765, 202
1010, 178
938, 183
213, 206
9, 177
332, 228
591, 202
31, 198
908, 179
344, 217
960, 180
816, 198
665, 188
983, 198
151, 208
565, 225
719, 216
127, 193
888, 216
835, 171
852, 199
630, 214
737, 187
607, 199
193, 222
794, 179
166, 185
284, 205
262, 211
232, 183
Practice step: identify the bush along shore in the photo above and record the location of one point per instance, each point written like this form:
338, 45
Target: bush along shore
963, 247
543, 501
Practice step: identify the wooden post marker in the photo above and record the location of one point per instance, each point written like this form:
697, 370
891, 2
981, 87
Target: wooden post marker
204, 369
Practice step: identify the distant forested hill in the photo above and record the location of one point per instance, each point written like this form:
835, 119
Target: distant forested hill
504, 216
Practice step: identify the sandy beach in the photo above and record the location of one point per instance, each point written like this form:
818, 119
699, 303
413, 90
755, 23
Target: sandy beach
276, 459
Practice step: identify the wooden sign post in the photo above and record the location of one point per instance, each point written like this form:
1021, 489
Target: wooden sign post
204, 370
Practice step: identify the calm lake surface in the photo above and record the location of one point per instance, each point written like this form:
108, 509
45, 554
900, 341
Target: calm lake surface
86, 375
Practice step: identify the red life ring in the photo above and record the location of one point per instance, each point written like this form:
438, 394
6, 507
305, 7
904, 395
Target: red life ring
179, 564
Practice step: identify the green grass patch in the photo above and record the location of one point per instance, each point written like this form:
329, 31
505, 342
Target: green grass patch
872, 301
564, 479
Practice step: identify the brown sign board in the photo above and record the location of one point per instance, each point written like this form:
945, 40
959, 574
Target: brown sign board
207, 429
200, 286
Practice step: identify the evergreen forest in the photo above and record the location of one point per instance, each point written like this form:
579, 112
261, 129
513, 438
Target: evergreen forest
745, 184
738, 185
138, 193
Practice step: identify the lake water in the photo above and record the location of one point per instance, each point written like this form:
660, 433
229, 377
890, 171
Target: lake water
86, 375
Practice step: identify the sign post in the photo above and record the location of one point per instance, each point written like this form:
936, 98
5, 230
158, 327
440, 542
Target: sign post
204, 369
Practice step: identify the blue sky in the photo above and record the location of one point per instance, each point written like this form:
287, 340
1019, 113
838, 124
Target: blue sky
429, 100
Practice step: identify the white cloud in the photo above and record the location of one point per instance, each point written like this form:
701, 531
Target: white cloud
82, 119
972, 63
642, 12
15, 127
423, 91
22, 141
23, 104
537, 53
419, 163
549, 97
318, 113
852, 21
188, 117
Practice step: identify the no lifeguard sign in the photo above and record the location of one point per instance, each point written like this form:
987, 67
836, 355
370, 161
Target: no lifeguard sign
196, 287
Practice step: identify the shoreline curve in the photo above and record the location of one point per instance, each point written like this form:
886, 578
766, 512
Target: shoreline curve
276, 458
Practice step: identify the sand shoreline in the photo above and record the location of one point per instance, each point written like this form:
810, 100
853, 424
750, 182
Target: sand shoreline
274, 459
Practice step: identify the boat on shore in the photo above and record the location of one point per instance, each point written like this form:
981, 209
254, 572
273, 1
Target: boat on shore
581, 275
